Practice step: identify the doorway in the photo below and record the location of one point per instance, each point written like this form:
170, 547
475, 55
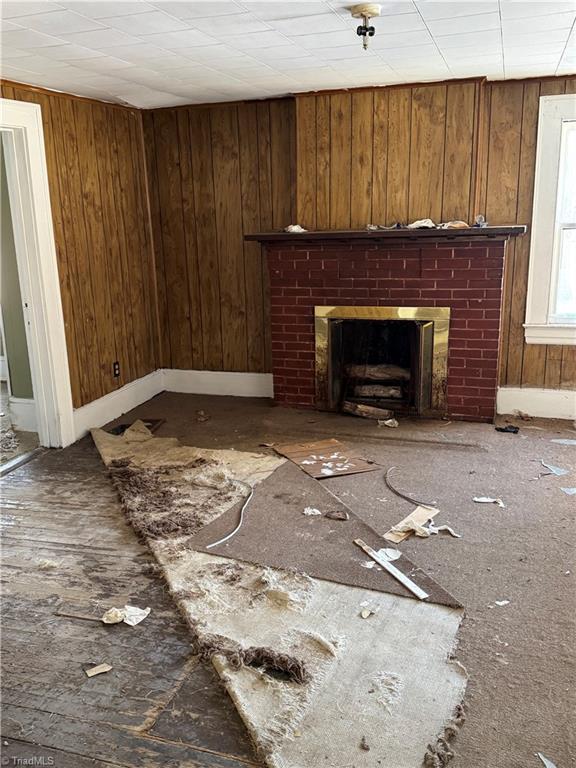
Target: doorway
37, 311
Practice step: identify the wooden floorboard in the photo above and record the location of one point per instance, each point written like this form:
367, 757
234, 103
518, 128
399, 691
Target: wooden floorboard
158, 706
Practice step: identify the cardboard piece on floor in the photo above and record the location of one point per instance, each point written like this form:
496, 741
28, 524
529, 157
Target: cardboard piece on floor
98, 670
420, 516
324, 458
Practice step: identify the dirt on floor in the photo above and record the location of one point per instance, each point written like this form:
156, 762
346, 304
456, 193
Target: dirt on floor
520, 654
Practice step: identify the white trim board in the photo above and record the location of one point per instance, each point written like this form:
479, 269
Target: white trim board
22, 412
545, 403
114, 404
111, 406
219, 383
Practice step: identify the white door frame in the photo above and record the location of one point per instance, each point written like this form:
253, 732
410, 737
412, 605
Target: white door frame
25, 155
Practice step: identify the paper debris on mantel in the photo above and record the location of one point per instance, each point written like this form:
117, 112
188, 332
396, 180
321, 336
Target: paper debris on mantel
324, 458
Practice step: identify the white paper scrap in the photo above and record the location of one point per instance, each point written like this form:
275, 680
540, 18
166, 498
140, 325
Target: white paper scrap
134, 615
309, 511
547, 763
488, 500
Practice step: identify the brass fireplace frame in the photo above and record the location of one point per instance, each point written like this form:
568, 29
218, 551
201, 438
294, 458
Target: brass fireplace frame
439, 316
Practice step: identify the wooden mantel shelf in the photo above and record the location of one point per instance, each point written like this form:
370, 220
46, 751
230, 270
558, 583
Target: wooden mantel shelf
393, 235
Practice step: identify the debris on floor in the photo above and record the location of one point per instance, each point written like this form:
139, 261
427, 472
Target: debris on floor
563, 441
48, 565
569, 491
151, 424
392, 570
130, 615
547, 763
508, 428
324, 458
402, 495
364, 744
366, 411
392, 423
501, 603
311, 511
414, 523
99, 669
365, 613
8, 440
337, 514
441, 528
488, 500
202, 416
558, 471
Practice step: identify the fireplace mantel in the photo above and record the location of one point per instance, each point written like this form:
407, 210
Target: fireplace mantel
393, 235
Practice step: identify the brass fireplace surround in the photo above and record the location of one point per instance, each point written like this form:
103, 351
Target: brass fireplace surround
439, 316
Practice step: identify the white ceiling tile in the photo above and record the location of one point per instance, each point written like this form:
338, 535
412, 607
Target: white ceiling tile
318, 41
13, 53
405, 22
145, 23
460, 24
477, 40
59, 22
432, 9
198, 10
258, 40
388, 42
288, 10
306, 25
288, 51
541, 23
104, 64
25, 8
174, 40
101, 38
523, 10
70, 52
231, 26
28, 38
537, 37
100, 9
8, 26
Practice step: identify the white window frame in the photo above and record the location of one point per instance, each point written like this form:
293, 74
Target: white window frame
544, 245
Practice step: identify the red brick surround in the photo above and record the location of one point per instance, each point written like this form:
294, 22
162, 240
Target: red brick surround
465, 276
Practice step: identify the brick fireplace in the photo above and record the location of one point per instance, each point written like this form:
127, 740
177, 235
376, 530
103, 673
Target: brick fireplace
456, 271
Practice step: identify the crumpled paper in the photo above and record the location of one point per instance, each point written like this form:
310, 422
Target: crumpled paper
130, 615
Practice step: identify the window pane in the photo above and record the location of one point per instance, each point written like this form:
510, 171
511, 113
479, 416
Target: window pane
566, 294
567, 178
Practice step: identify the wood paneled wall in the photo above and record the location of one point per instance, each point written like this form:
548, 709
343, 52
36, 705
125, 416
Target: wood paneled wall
215, 174
505, 192
96, 174
386, 155
443, 151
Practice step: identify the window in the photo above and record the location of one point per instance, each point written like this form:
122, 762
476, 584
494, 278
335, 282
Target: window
551, 301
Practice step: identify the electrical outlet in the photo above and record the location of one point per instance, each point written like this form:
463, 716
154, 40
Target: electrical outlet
116, 369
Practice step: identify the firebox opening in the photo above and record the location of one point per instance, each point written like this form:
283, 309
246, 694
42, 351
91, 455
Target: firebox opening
384, 363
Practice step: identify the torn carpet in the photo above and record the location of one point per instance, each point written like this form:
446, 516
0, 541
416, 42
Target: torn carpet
313, 680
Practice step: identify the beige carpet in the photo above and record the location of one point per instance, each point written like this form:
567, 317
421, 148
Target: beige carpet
374, 691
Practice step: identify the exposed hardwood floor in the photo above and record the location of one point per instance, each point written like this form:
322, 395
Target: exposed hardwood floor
157, 707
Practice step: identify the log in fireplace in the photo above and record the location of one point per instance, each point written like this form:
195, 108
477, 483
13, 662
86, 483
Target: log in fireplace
406, 319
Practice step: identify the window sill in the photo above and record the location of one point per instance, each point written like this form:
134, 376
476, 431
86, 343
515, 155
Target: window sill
535, 333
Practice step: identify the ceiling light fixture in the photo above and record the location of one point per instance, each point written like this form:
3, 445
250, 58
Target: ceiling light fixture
365, 11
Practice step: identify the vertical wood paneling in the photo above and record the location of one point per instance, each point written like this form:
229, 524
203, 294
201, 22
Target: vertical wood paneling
94, 159
361, 161
249, 176
398, 177
380, 157
323, 179
190, 238
207, 244
306, 158
226, 163
458, 159
219, 172
427, 138
341, 160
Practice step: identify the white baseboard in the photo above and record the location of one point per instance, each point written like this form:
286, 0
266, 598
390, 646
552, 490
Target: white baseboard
546, 403
23, 414
114, 404
219, 383
3, 368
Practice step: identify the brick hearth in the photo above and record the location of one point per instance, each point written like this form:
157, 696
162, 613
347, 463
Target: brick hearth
465, 276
